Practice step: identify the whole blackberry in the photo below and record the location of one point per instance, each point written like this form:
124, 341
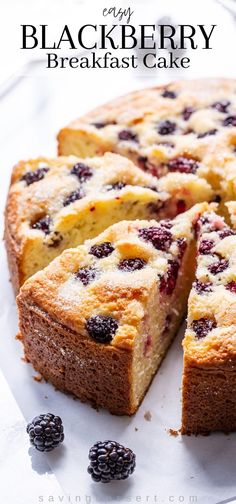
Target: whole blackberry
110, 461
45, 432
101, 328
102, 250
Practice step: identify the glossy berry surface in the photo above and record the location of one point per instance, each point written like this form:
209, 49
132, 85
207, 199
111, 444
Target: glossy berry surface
131, 264
109, 461
183, 165
160, 237
166, 127
82, 172
218, 266
101, 328
205, 247
102, 250
34, 176
45, 432
43, 224
168, 281
73, 196
86, 275
202, 287
167, 93
127, 136
203, 326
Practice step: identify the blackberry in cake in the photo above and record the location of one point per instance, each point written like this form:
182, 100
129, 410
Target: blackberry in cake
187, 127
209, 377
99, 319
54, 204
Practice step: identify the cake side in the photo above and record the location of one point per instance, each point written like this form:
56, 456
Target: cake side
122, 295
209, 377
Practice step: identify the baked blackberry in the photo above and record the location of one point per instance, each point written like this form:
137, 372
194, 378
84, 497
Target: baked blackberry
102, 250
166, 127
82, 172
132, 264
110, 461
34, 176
101, 328
45, 432
127, 136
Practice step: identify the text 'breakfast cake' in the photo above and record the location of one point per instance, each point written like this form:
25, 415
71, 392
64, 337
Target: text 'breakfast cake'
209, 379
99, 319
186, 127
54, 204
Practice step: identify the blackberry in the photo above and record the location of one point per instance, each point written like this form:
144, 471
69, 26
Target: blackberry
203, 326
101, 328
205, 247
230, 120
183, 165
102, 250
166, 127
231, 286
43, 224
109, 461
207, 133
34, 176
167, 93
202, 287
168, 282
102, 124
127, 136
160, 237
187, 112
86, 275
221, 106
117, 186
45, 432
82, 172
219, 266
73, 196
132, 264
226, 232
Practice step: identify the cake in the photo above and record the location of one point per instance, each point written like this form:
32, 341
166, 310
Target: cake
209, 377
54, 204
186, 127
98, 320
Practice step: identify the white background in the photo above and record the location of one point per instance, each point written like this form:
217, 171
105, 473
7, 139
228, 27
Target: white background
172, 469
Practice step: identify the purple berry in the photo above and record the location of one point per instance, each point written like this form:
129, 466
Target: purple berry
82, 172
86, 275
183, 165
102, 124
166, 127
117, 186
218, 266
187, 112
167, 93
43, 224
231, 286
202, 287
34, 176
230, 120
101, 328
132, 264
203, 326
205, 246
207, 133
168, 282
221, 106
102, 250
73, 196
127, 136
226, 232
160, 237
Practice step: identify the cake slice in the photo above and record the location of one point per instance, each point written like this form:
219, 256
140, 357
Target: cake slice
209, 378
99, 319
54, 204
186, 127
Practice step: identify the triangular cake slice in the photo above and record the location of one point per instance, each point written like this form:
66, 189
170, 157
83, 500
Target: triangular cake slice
209, 379
99, 319
54, 204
